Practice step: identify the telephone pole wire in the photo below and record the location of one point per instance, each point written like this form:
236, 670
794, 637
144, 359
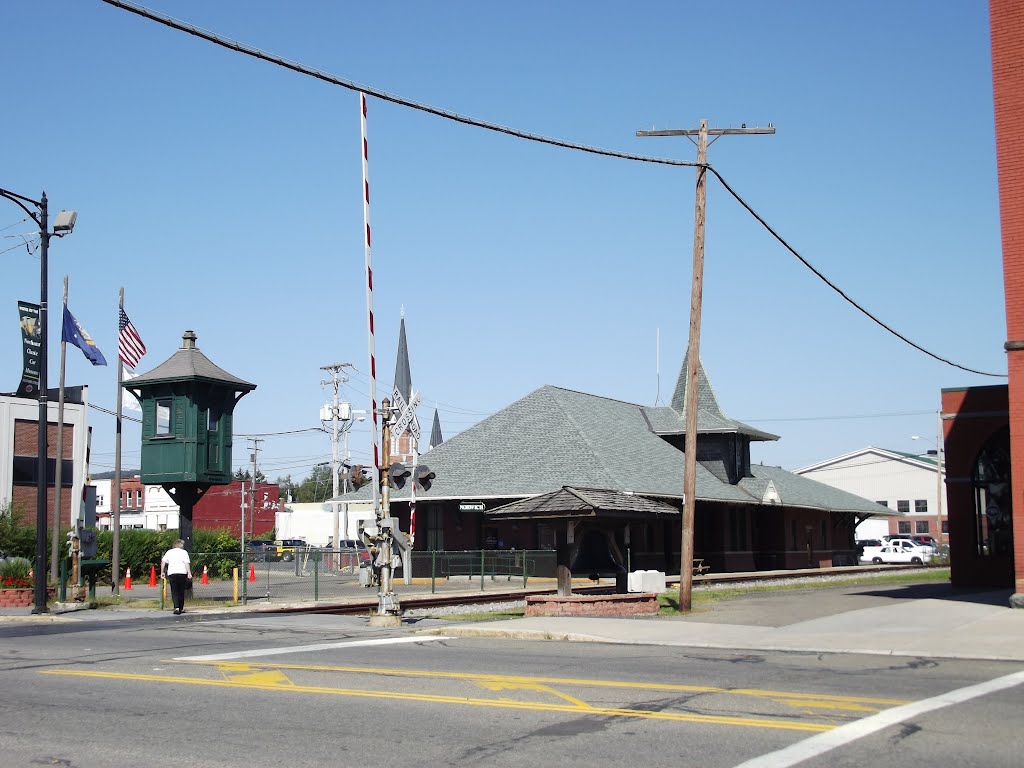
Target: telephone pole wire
693, 347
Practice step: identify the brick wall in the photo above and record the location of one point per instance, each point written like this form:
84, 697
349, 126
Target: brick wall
1006, 18
26, 440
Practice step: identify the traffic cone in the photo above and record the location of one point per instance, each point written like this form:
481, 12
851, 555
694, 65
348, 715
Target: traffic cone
205, 579
152, 575
252, 572
128, 578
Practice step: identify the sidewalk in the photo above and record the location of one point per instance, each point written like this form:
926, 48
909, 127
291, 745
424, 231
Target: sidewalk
931, 620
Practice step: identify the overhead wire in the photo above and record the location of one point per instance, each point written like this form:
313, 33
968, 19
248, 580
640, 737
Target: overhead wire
839, 290
302, 69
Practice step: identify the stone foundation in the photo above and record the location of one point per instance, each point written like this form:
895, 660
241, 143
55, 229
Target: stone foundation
632, 604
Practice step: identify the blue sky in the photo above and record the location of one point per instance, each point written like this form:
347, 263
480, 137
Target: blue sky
224, 195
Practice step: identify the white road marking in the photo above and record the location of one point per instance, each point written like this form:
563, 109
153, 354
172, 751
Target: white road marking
317, 647
825, 742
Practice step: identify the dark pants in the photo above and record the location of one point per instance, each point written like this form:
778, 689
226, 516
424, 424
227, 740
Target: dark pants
178, 582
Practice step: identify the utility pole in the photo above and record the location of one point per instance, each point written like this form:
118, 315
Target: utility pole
255, 447
693, 347
337, 379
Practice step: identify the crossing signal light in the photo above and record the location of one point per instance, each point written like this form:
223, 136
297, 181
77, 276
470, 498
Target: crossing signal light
359, 477
424, 477
397, 475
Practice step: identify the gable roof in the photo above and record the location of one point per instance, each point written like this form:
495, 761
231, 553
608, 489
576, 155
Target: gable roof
928, 463
581, 502
555, 437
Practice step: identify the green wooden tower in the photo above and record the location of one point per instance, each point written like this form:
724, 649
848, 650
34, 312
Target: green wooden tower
187, 406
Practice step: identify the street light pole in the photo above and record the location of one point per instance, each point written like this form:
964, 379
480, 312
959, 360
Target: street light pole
65, 223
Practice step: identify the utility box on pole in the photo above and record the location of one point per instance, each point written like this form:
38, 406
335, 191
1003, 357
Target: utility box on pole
187, 408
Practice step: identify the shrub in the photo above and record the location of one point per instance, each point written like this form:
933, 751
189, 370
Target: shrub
16, 540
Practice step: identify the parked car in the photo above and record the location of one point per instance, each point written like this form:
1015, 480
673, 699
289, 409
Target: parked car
286, 548
260, 550
354, 547
898, 551
861, 543
868, 548
926, 541
908, 539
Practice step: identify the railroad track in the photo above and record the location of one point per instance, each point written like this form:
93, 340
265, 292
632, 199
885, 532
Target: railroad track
410, 601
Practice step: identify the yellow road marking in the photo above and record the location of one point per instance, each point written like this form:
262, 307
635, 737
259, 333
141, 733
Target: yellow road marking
498, 685
243, 674
825, 701
437, 699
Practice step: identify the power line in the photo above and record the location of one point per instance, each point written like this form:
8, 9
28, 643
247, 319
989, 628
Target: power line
840, 418
278, 434
302, 69
838, 290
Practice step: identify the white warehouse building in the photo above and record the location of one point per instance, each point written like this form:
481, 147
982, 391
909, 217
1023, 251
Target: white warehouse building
905, 482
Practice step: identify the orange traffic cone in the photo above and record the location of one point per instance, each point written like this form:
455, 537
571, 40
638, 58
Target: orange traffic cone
205, 579
128, 578
152, 575
252, 572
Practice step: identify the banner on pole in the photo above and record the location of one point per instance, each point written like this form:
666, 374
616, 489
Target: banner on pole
31, 347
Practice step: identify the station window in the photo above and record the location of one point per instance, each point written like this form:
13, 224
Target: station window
903, 506
921, 506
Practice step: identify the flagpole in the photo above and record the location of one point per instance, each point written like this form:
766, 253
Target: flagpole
115, 496
57, 480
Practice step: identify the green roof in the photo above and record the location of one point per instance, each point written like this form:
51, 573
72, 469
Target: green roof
555, 437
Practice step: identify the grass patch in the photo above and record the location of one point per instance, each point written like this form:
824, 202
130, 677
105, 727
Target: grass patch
496, 616
703, 597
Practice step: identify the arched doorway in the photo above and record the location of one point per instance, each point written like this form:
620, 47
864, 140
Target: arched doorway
993, 519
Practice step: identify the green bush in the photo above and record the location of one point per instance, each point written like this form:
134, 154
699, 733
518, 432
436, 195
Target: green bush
16, 540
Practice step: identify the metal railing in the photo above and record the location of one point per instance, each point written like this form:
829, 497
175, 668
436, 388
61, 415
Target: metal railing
325, 574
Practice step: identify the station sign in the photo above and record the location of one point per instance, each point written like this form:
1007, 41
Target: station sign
471, 506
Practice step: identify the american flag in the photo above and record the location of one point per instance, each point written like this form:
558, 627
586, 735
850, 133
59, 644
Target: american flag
129, 344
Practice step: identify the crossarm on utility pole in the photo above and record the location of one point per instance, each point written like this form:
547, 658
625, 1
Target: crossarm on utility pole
693, 346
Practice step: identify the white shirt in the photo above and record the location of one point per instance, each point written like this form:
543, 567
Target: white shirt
176, 561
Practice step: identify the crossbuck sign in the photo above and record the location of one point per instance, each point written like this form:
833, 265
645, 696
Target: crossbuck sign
406, 415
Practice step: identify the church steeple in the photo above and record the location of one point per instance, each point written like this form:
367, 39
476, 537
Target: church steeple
402, 448
435, 433
403, 374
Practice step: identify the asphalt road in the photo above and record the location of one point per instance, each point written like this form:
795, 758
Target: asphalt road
256, 690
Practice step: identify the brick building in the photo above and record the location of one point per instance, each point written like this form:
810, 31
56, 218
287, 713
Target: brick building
984, 426
19, 420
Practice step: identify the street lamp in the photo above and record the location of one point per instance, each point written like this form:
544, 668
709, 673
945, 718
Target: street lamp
63, 225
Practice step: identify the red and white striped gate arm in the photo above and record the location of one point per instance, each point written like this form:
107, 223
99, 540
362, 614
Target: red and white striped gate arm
374, 435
